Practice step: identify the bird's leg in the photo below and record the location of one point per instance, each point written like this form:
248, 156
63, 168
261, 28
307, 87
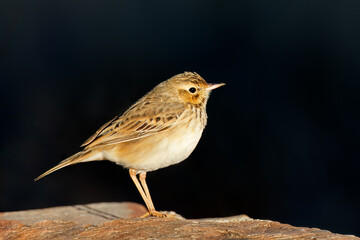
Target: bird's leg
133, 174
152, 211
142, 177
145, 195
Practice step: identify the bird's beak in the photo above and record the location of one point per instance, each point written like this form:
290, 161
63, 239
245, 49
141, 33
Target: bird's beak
212, 86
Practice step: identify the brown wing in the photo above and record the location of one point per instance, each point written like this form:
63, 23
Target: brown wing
141, 120
92, 137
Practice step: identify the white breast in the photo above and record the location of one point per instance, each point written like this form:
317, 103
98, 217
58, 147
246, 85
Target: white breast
163, 149
172, 149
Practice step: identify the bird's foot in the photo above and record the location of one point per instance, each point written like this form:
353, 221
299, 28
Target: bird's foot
155, 213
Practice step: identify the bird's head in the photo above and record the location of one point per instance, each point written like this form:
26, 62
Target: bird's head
192, 88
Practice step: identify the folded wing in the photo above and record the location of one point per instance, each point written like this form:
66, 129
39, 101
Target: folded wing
132, 126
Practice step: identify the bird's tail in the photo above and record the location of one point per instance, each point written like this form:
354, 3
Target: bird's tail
83, 156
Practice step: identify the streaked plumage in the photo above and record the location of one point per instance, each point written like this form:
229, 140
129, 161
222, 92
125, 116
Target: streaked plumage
160, 129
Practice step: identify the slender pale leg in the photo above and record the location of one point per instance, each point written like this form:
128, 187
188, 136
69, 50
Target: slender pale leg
145, 195
133, 174
142, 177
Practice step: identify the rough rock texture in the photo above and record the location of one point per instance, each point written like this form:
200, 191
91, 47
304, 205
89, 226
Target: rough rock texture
86, 214
121, 221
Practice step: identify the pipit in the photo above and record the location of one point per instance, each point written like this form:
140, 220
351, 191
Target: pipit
161, 129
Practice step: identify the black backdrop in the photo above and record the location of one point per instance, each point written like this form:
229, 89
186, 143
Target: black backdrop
282, 140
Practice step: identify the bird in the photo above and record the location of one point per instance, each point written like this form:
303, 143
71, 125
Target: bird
161, 129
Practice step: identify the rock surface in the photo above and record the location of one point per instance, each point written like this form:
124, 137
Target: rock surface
94, 213
121, 221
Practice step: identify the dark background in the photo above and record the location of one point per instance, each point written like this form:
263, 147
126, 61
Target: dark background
282, 140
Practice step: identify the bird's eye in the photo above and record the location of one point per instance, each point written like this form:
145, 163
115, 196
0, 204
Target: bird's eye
192, 90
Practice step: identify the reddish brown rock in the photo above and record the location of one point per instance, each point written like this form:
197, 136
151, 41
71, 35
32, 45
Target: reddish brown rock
94, 213
94, 221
